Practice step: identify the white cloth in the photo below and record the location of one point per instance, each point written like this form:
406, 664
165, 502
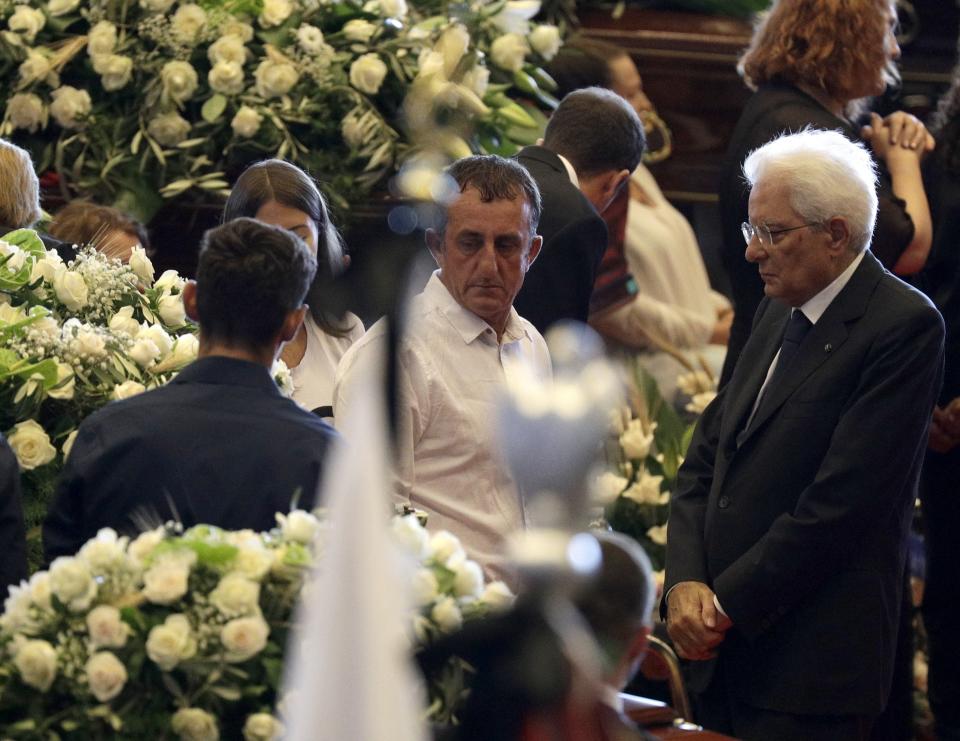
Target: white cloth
450, 370
570, 171
313, 376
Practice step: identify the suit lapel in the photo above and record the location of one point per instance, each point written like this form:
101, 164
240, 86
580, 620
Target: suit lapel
823, 340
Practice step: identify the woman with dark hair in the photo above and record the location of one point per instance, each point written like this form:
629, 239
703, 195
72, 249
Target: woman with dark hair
940, 280
812, 63
279, 193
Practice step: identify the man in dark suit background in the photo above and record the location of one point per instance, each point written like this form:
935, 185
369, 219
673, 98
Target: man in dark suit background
789, 522
593, 141
13, 564
219, 444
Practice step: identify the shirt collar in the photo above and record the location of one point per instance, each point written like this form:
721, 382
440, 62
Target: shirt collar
467, 324
570, 171
223, 371
813, 309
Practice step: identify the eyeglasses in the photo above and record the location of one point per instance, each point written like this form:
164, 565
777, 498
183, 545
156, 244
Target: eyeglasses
765, 234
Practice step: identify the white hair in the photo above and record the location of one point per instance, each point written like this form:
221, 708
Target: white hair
827, 176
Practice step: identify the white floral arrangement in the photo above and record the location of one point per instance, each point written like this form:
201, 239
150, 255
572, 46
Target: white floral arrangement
125, 101
647, 443
185, 633
74, 337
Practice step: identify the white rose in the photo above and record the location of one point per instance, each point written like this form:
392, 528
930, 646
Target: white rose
236, 595
159, 336
695, 382
179, 80
275, 12
445, 546
253, 561
68, 444
40, 590
140, 264
188, 22
477, 80
700, 402
367, 73
430, 64
425, 587
72, 583
45, 269
352, 130
127, 389
411, 535
166, 582
144, 352
141, 548
658, 534
62, 7
608, 487
171, 310
262, 727
359, 30
185, 350
36, 67
394, 8
275, 78
244, 638
447, 615
31, 445
124, 322
310, 39
105, 628
234, 27
169, 644
193, 724
37, 663
228, 48
509, 51
89, 343
157, 6
69, 106
498, 595
452, 45
515, 14
646, 490
66, 383
282, 377
169, 129
246, 122
26, 22
545, 40
635, 441
299, 526
226, 78
104, 551
469, 579
25, 111
115, 71
106, 676
102, 39
169, 280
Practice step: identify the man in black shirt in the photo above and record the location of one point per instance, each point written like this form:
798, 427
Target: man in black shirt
220, 444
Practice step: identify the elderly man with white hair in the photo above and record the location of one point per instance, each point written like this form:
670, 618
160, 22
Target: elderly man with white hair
789, 522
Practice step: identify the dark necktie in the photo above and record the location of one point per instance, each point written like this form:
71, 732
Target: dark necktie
797, 327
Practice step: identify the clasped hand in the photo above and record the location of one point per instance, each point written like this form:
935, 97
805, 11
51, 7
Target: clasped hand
693, 621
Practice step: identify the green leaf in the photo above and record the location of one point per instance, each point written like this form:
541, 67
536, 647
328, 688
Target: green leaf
214, 107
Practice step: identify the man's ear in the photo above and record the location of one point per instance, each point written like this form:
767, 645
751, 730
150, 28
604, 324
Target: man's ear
434, 241
535, 245
190, 300
839, 231
291, 323
616, 181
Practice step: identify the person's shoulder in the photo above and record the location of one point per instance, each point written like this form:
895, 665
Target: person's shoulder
899, 298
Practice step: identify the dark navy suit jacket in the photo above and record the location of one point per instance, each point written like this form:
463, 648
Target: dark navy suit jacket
13, 563
219, 445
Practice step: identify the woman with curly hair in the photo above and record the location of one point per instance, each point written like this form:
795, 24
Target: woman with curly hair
813, 63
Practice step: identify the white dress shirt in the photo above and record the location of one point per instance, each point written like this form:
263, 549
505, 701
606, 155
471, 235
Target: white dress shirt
313, 376
450, 370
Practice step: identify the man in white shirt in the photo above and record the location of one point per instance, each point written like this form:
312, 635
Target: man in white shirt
462, 341
789, 523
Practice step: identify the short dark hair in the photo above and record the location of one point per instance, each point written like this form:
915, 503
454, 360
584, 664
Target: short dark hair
250, 276
597, 131
618, 601
497, 179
